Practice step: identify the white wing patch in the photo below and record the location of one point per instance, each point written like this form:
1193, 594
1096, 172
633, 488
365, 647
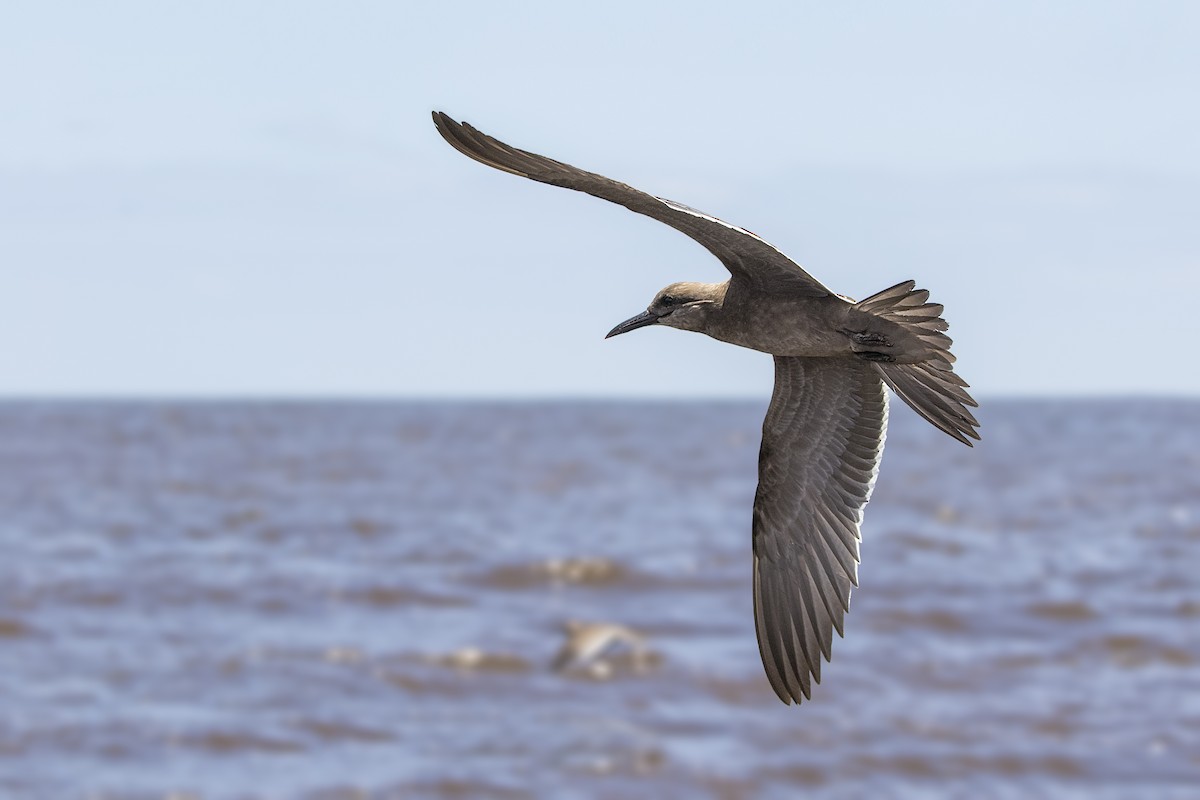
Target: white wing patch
702, 215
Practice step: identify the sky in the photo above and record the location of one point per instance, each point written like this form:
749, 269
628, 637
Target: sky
249, 199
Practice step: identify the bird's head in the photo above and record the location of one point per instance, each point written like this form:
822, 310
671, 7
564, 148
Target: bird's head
686, 306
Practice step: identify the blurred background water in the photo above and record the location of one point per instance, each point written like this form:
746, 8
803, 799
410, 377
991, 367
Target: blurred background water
361, 600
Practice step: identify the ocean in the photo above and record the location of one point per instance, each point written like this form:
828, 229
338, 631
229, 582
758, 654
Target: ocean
336, 600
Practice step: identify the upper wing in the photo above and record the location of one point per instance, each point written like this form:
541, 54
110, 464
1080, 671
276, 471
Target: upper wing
743, 254
822, 440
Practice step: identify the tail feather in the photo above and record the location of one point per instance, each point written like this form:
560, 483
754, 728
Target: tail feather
923, 376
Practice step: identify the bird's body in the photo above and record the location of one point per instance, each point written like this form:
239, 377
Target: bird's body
767, 321
824, 430
764, 321
587, 641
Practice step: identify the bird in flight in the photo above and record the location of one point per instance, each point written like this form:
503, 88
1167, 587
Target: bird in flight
823, 434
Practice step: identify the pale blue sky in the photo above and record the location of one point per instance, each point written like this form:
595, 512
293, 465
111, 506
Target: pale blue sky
250, 199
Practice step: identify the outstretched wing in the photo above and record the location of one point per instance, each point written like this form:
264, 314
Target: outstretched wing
822, 440
743, 254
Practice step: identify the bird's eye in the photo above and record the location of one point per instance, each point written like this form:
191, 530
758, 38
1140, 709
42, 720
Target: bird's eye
668, 300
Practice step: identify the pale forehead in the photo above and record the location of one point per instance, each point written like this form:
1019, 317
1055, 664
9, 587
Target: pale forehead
683, 288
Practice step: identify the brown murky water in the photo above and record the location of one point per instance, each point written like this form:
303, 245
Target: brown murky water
361, 601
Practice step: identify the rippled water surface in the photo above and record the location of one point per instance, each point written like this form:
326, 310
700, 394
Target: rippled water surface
362, 600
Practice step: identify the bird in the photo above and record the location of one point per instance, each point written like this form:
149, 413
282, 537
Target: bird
823, 435
585, 642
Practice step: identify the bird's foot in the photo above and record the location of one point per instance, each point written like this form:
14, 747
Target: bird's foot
868, 338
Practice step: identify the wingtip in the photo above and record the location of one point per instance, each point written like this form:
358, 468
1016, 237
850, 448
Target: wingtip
449, 127
785, 694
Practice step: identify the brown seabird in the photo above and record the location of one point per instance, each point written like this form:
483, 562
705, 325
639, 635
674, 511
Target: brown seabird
824, 430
